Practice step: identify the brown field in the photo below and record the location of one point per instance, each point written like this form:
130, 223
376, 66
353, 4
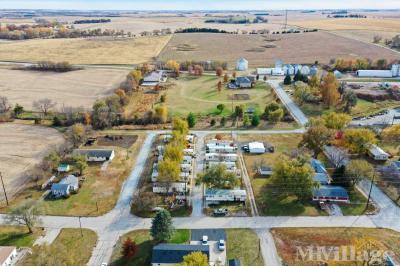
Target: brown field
75, 88
288, 239
23, 146
291, 48
84, 51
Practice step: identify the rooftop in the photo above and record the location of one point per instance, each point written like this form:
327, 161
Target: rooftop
174, 253
330, 191
95, 153
5, 252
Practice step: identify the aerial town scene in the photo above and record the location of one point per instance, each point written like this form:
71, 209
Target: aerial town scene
199, 133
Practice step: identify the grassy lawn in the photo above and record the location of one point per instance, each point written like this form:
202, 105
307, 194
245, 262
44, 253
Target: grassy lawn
98, 193
288, 239
199, 95
267, 201
243, 244
357, 204
145, 243
17, 236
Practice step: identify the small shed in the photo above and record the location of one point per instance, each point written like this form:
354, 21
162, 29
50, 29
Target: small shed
376, 153
63, 168
264, 170
256, 147
242, 64
337, 74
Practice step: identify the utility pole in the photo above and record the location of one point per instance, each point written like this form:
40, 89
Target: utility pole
370, 190
286, 12
4, 188
80, 225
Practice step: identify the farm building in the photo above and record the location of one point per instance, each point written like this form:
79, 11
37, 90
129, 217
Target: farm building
242, 64
154, 78
270, 71
96, 155
377, 153
256, 147
63, 168
224, 195
7, 255
331, 193
172, 254
393, 72
242, 82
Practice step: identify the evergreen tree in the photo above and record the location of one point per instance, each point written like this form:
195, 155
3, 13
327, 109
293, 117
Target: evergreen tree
287, 80
255, 120
298, 76
191, 119
162, 228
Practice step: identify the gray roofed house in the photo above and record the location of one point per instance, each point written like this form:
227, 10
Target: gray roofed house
169, 254
72, 181
96, 155
154, 78
242, 82
60, 190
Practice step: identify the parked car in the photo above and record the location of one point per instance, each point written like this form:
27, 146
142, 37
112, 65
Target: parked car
220, 212
204, 240
221, 245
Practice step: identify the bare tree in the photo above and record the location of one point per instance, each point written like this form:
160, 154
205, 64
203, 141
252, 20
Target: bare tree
26, 214
338, 157
44, 105
4, 105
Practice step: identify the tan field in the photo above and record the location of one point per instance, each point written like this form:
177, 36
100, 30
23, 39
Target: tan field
262, 51
79, 88
23, 146
84, 51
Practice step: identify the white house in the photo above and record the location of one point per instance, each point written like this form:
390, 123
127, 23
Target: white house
154, 78
229, 165
7, 255
72, 181
224, 195
375, 73
377, 153
228, 157
256, 147
242, 64
96, 155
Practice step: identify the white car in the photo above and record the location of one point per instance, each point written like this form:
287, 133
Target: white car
204, 240
221, 245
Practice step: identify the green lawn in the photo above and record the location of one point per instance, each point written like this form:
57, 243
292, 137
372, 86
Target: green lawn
199, 95
145, 243
243, 244
17, 236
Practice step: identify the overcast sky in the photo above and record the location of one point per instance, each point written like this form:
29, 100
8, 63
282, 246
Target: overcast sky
198, 4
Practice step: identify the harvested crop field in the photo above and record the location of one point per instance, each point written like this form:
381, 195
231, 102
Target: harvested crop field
85, 51
262, 50
74, 88
23, 146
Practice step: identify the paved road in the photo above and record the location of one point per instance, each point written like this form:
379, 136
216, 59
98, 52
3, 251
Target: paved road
291, 106
197, 191
268, 248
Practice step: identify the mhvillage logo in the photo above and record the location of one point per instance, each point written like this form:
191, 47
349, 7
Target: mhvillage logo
364, 250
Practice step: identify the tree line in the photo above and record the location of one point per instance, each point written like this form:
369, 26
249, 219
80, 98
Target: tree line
360, 64
90, 21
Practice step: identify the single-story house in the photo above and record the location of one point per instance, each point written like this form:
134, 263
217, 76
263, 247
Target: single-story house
224, 195
264, 170
331, 193
242, 82
63, 168
7, 255
220, 149
256, 147
71, 180
377, 153
154, 78
61, 190
275, 71
96, 155
171, 254
180, 187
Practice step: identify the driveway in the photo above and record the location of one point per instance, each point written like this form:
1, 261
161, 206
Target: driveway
268, 248
290, 105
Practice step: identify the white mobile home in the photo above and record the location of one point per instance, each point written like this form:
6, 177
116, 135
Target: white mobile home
217, 157
173, 187
375, 73
96, 155
377, 153
224, 195
220, 149
229, 165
